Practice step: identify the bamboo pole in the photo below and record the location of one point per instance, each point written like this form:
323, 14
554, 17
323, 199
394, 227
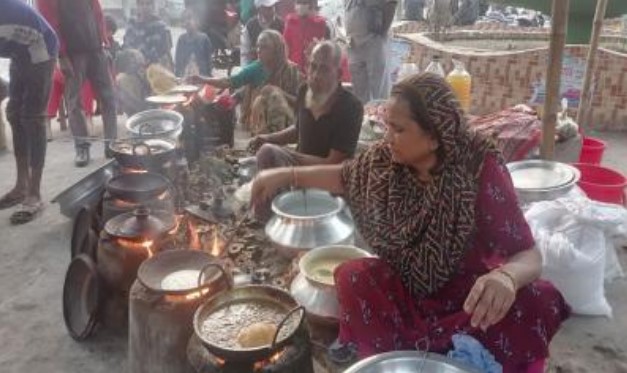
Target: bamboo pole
553, 77
585, 102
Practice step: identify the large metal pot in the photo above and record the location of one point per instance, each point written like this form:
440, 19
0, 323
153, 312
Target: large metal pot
156, 123
304, 219
314, 287
251, 294
409, 361
539, 180
143, 154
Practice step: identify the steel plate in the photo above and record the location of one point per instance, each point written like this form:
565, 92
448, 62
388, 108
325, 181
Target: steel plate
166, 99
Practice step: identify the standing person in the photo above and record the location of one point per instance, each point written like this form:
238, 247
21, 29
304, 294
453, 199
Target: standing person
265, 19
193, 44
302, 30
367, 26
82, 34
150, 35
29, 41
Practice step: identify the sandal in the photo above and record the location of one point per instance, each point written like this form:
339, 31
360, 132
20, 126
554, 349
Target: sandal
11, 199
26, 213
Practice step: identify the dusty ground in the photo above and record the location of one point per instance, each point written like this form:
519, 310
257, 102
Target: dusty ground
34, 258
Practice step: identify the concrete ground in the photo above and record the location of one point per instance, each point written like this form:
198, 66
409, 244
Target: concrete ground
35, 256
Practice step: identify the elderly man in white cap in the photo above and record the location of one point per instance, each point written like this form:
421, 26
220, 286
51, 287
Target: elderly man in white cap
266, 18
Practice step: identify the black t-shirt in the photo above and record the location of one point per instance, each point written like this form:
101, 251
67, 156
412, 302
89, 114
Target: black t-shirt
338, 129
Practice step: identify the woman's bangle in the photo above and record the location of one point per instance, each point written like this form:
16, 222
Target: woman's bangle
509, 276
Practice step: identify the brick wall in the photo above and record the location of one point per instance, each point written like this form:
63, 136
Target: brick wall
502, 79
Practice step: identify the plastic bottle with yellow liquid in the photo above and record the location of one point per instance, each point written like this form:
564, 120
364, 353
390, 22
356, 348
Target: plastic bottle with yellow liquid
461, 82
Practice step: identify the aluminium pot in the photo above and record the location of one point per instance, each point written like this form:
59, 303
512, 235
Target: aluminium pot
155, 123
309, 218
251, 294
314, 287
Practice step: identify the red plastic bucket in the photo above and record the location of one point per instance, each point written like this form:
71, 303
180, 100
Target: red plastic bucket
592, 150
601, 183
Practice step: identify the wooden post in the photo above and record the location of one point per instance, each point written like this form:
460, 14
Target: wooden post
553, 77
585, 101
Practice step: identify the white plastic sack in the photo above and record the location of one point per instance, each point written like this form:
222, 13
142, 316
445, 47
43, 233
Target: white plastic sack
573, 251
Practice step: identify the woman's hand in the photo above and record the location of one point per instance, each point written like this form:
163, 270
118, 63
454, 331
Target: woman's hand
196, 80
267, 184
256, 142
490, 299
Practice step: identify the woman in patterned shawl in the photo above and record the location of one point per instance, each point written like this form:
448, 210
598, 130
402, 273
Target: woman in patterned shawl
271, 68
435, 202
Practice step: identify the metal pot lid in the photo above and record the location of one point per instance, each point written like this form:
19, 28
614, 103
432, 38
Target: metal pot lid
139, 224
179, 271
541, 174
155, 123
142, 147
138, 186
81, 294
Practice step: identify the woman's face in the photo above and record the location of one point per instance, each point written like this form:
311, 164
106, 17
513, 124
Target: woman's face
265, 52
409, 143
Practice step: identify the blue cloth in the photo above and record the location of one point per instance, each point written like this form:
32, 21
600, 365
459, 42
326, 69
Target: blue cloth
471, 352
25, 36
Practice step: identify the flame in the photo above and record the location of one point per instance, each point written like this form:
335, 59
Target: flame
129, 170
194, 237
196, 294
269, 361
177, 224
148, 246
216, 247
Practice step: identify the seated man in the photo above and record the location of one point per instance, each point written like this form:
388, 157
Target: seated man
131, 82
328, 118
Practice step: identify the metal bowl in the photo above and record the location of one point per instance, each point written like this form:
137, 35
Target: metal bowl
156, 123
409, 361
304, 219
316, 291
86, 192
539, 180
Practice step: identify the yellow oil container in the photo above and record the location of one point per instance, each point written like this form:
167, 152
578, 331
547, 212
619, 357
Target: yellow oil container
461, 82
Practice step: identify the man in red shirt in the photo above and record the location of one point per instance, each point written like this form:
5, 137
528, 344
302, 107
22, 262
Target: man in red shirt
81, 29
302, 30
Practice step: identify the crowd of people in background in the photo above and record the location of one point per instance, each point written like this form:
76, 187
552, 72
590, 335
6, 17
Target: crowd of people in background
270, 42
